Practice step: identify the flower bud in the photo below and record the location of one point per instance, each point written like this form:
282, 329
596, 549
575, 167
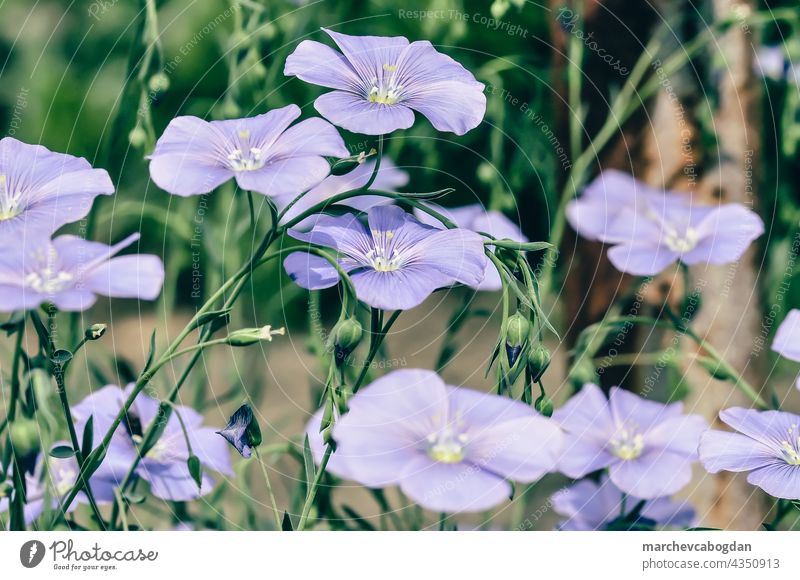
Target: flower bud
538, 361
346, 335
25, 438
158, 83
95, 331
517, 333
137, 136
544, 405
582, 373
248, 336
5, 490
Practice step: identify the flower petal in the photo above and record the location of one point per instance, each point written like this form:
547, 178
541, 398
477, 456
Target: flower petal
135, 276
787, 339
356, 114
289, 176
652, 475
310, 271
723, 451
319, 64
778, 480
453, 488
641, 259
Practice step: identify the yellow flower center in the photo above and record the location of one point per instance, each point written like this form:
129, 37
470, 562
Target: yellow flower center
447, 446
10, 206
628, 443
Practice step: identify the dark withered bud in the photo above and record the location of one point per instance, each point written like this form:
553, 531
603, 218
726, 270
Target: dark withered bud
242, 431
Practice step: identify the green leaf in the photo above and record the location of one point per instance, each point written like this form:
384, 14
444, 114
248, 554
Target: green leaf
61, 357
62, 452
308, 461
195, 470
286, 523
88, 437
217, 318
519, 246
357, 519
151, 353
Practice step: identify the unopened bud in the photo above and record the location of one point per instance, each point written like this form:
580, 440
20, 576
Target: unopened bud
346, 336
242, 431
158, 83
137, 136
544, 405
25, 438
248, 336
95, 331
583, 373
517, 333
5, 490
538, 361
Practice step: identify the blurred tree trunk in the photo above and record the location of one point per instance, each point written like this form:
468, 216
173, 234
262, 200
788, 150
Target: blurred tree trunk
663, 146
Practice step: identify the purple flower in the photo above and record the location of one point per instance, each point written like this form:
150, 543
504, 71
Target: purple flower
41, 190
787, 339
478, 219
770, 62
449, 449
767, 445
590, 505
63, 474
194, 156
165, 465
647, 447
389, 178
395, 263
650, 230
70, 272
380, 81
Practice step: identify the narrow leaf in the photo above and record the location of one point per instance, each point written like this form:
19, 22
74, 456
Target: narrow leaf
88, 437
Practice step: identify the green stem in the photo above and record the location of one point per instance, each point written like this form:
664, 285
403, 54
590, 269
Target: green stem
275, 511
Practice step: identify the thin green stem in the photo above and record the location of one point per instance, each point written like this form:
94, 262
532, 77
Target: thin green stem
275, 511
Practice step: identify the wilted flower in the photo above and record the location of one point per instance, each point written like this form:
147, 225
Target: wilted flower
40, 190
647, 447
242, 431
389, 178
164, 466
63, 475
70, 272
478, 219
380, 81
395, 263
650, 229
194, 156
449, 449
590, 505
248, 336
767, 445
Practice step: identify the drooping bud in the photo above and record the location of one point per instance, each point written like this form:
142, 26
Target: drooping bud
137, 136
345, 165
518, 331
582, 373
159, 82
25, 437
544, 405
538, 361
345, 336
95, 331
248, 336
242, 431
